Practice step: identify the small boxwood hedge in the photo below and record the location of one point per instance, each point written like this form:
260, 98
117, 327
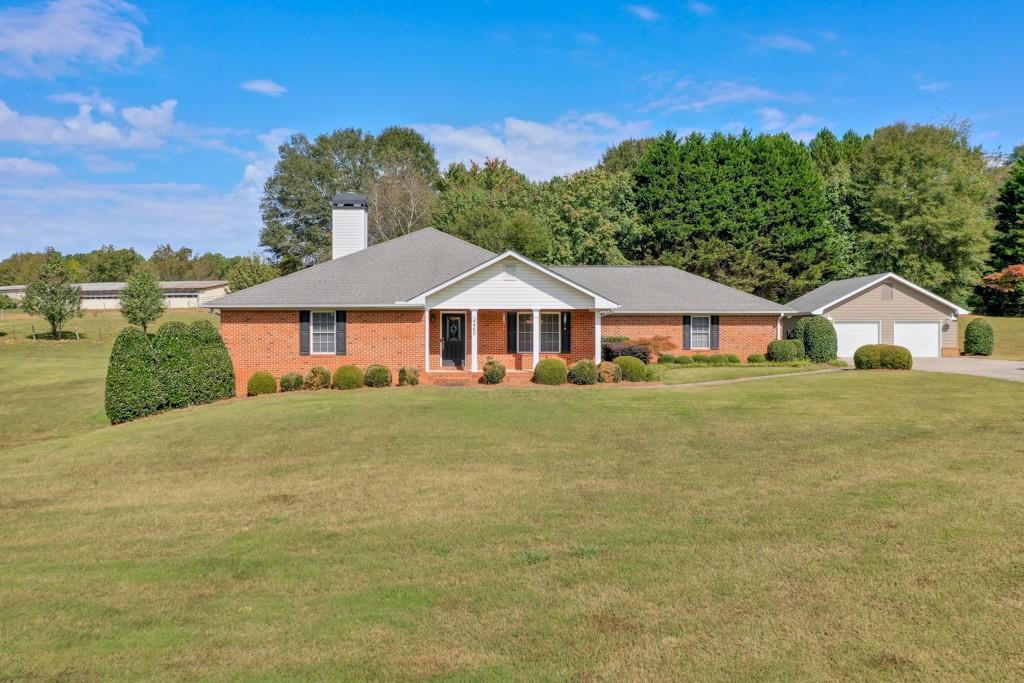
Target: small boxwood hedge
408, 376
261, 383
732, 359
609, 372
291, 381
883, 357
684, 360
979, 338
377, 376
583, 372
818, 336
318, 377
633, 369
494, 372
782, 350
133, 387
551, 371
755, 358
348, 377
666, 359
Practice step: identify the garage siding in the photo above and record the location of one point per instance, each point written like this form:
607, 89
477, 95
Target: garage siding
906, 304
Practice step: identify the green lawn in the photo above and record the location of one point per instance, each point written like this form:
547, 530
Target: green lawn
850, 525
1009, 333
690, 374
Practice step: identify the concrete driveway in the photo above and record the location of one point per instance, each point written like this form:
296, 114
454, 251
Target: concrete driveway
982, 367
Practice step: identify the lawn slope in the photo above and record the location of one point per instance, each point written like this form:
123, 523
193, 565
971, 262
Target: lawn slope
850, 525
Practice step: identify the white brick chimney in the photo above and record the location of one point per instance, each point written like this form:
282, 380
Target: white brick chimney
349, 215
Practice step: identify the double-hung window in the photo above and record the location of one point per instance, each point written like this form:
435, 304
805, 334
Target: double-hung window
322, 332
550, 333
700, 332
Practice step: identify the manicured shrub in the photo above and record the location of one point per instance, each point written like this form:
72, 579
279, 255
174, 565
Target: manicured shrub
611, 351
551, 371
261, 383
717, 360
377, 376
291, 381
348, 377
684, 360
609, 372
653, 373
818, 336
756, 358
134, 388
883, 356
782, 350
979, 338
732, 359
633, 369
583, 372
193, 363
666, 359
216, 378
408, 376
494, 371
318, 377
700, 358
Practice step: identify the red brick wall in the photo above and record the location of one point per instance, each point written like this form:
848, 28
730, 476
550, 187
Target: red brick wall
739, 334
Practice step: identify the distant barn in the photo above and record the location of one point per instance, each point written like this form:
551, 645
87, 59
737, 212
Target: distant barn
107, 295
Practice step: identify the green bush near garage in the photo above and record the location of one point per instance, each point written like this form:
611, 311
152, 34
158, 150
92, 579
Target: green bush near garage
979, 338
818, 335
883, 357
783, 350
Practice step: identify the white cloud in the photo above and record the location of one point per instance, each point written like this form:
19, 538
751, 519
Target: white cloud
540, 150
800, 127
701, 8
62, 35
685, 96
95, 100
143, 127
783, 42
265, 87
644, 12
935, 86
17, 168
99, 163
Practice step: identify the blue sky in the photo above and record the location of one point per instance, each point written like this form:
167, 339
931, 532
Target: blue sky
140, 124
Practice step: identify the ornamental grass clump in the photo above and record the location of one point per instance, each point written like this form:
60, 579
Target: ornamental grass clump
408, 377
609, 373
318, 377
494, 372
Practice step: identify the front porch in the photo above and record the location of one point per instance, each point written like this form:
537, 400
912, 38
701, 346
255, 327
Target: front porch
460, 341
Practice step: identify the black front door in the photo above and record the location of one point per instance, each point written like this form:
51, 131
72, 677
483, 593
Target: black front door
453, 339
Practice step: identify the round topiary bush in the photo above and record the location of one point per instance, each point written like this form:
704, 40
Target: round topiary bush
551, 371
684, 360
818, 336
377, 376
979, 338
894, 357
785, 350
291, 381
179, 371
633, 369
867, 357
318, 377
494, 372
134, 388
348, 377
609, 372
755, 358
261, 383
583, 372
216, 378
666, 359
408, 377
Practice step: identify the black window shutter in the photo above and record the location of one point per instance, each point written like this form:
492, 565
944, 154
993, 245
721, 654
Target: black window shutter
686, 331
566, 332
513, 319
714, 332
341, 332
303, 333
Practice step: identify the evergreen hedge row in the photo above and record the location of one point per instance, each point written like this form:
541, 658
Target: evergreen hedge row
182, 365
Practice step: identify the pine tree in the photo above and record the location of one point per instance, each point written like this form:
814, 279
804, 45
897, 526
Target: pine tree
1008, 245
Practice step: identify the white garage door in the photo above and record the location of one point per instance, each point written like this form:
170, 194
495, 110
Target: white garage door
852, 336
922, 338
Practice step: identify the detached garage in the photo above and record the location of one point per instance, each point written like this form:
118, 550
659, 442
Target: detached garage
884, 309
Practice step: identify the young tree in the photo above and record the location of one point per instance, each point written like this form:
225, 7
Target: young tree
592, 217
920, 206
1008, 245
142, 302
53, 296
251, 270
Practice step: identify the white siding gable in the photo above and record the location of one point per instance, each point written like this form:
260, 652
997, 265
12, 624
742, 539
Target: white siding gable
509, 284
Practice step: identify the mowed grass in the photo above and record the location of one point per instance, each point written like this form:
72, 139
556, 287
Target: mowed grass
690, 374
853, 525
1009, 336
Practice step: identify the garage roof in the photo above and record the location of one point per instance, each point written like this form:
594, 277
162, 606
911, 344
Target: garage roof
831, 293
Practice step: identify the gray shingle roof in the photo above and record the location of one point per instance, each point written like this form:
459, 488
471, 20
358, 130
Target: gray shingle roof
86, 287
663, 289
377, 276
831, 291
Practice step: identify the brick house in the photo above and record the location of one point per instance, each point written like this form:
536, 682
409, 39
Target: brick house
432, 301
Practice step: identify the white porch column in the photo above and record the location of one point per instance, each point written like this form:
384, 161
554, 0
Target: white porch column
472, 315
536, 336
597, 337
426, 339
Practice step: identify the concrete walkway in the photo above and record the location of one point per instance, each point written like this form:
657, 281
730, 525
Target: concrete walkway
979, 367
